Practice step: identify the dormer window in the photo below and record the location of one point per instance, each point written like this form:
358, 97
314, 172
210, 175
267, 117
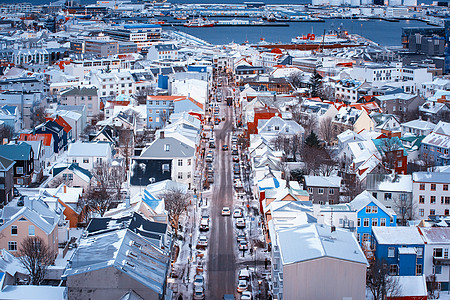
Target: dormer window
166, 147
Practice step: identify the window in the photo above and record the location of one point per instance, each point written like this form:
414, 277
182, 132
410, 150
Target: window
446, 212
320, 191
368, 209
421, 212
374, 222
331, 191
366, 237
359, 222
165, 168
421, 199
70, 177
387, 196
366, 222
19, 170
189, 175
419, 269
19, 180
310, 190
189, 162
419, 252
432, 212
12, 246
432, 199
433, 186
437, 252
180, 175
180, 162
391, 252
2, 174
399, 164
374, 194
85, 160
393, 269
437, 269
166, 147
374, 209
445, 187
383, 222
422, 187
31, 231
446, 253
13, 230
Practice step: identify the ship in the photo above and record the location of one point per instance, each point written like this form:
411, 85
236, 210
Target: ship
200, 22
331, 38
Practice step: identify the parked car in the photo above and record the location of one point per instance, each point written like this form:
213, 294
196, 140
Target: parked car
216, 122
199, 280
199, 293
244, 274
236, 170
240, 223
237, 213
243, 245
238, 184
241, 237
204, 224
210, 178
202, 241
16, 192
235, 158
226, 211
234, 152
242, 286
212, 145
246, 295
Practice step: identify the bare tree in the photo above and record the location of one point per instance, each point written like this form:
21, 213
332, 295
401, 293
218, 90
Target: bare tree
38, 116
6, 132
352, 187
380, 284
309, 123
141, 95
289, 144
405, 209
432, 287
390, 148
176, 202
98, 117
326, 131
164, 116
36, 256
296, 79
126, 144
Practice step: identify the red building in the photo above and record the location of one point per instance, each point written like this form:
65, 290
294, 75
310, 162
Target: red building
261, 113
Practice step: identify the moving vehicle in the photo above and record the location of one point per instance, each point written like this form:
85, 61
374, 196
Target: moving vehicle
225, 147
226, 211
237, 213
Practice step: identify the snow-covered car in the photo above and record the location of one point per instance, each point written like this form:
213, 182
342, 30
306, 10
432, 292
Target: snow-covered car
244, 274
204, 224
242, 286
240, 223
199, 293
235, 158
237, 213
241, 237
246, 295
202, 241
199, 280
238, 184
226, 211
243, 245
209, 158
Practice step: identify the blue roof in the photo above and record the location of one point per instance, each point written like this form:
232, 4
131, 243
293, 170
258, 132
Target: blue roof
15, 152
150, 200
381, 144
136, 26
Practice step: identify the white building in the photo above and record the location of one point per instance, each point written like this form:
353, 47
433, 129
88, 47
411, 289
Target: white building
417, 127
87, 155
113, 83
431, 195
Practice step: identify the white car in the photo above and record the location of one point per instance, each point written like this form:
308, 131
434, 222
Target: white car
238, 184
242, 286
246, 295
202, 241
237, 213
240, 223
226, 211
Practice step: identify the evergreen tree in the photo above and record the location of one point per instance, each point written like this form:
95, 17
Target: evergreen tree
315, 84
312, 140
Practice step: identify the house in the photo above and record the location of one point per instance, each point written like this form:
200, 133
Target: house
162, 51
386, 124
23, 156
72, 175
400, 104
9, 115
417, 127
276, 126
39, 159
87, 96
410, 287
401, 248
6, 180
436, 260
307, 256
56, 130
341, 215
33, 218
436, 145
242, 72
67, 129
159, 109
112, 264
371, 213
349, 90
88, 154
392, 153
165, 158
69, 199
431, 195
433, 111
47, 142
394, 191
323, 189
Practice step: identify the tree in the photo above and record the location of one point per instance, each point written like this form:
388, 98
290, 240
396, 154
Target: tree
378, 281
326, 131
312, 141
141, 95
404, 208
176, 202
432, 287
38, 116
389, 146
36, 256
289, 144
126, 143
309, 123
352, 187
315, 85
6, 132
296, 79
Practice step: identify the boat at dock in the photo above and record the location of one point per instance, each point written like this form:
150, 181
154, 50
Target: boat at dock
200, 22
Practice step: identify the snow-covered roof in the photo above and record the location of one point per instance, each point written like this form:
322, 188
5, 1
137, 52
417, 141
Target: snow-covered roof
313, 241
436, 235
33, 292
397, 235
323, 181
432, 177
411, 286
440, 137
401, 183
419, 124
86, 149
366, 198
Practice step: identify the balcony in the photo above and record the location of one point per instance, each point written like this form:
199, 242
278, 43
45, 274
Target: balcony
440, 261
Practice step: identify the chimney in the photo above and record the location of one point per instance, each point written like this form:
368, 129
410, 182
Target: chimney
65, 189
28, 202
333, 228
161, 134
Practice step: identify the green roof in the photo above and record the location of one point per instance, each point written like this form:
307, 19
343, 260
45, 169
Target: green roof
16, 152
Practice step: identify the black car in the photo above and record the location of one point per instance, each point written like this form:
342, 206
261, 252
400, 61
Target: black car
16, 192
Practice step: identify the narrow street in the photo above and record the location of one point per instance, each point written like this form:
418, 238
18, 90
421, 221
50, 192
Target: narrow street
222, 262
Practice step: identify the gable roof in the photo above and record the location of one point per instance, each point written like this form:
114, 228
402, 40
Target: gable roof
89, 149
435, 235
176, 148
46, 138
20, 151
323, 181
6, 164
397, 235
364, 199
127, 252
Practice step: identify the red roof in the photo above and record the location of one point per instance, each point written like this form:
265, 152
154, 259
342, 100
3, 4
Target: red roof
46, 138
61, 122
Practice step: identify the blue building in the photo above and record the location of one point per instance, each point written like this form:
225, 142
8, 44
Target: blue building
401, 248
371, 213
159, 109
436, 146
